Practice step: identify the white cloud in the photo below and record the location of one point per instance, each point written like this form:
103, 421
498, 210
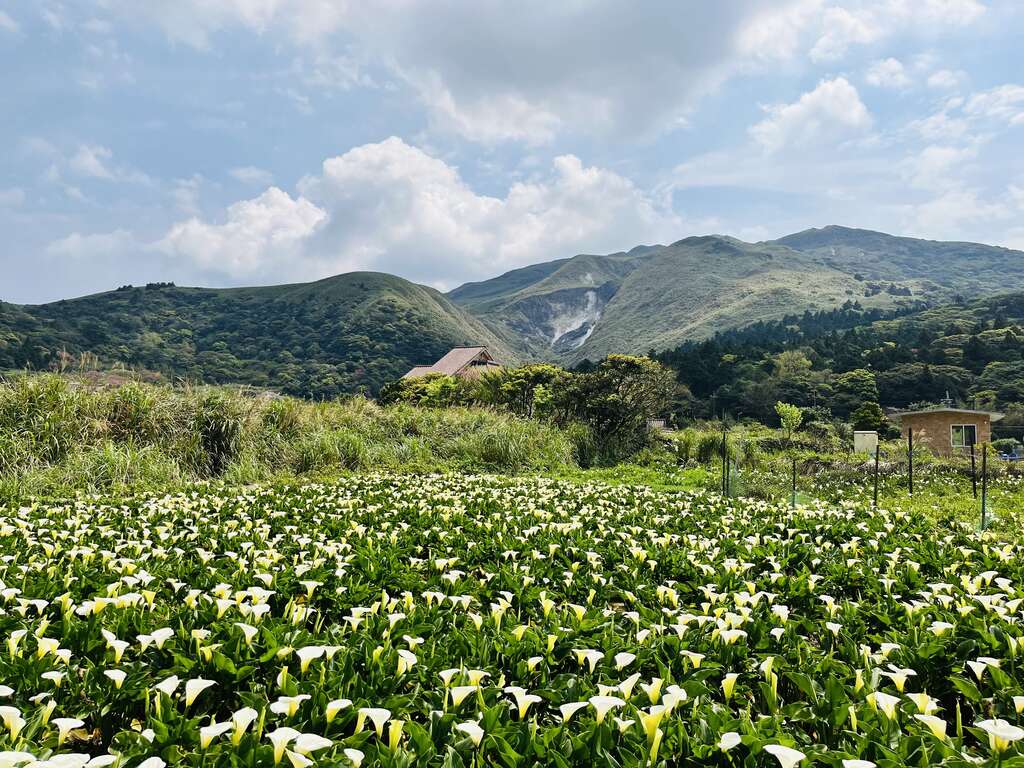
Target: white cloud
1004, 103
267, 230
940, 126
185, 194
842, 28
952, 212
935, 165
7, 24
493, 72
194, 22
869, 21
392, 207
86, 247
888, 73
946, 79
1017, 195
92, 161
250, 174
95, 162
831, 111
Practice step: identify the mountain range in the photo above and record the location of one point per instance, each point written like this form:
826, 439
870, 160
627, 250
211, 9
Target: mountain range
360, 330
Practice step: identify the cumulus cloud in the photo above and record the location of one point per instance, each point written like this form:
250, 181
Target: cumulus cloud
869, 21
888, 73
267, 230
392, 207
832, 110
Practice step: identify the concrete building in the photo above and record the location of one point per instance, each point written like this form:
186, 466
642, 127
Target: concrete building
948, 431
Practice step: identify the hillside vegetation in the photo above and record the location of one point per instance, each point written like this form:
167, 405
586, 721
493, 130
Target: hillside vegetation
356, 332
657, 297
972, 352
58, 437
345, 334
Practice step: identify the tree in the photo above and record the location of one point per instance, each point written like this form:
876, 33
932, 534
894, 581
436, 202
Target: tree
869, 416
526, 391
616, 400
853, 388
790, 417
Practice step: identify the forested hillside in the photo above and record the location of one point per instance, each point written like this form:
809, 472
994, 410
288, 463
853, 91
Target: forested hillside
842, 358
344, 334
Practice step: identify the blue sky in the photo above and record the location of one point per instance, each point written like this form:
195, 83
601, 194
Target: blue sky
238, 142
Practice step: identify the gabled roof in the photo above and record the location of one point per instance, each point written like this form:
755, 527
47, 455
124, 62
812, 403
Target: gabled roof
453, 362
966, 411
457, 359
418, 370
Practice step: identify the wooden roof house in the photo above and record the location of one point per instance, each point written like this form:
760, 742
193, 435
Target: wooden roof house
464, 362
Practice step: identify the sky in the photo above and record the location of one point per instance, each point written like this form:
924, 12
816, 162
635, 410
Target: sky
249, 142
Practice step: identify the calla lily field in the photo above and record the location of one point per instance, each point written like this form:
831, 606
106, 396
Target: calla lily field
455, 620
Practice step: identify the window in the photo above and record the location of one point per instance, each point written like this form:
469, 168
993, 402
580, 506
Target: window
963, 435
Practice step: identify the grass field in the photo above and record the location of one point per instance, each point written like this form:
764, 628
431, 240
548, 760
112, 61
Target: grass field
478, 620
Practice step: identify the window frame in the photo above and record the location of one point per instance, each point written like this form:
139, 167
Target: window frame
963, 427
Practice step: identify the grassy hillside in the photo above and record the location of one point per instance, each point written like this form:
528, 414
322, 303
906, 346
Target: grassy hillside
344, 334
660, 296
943, 268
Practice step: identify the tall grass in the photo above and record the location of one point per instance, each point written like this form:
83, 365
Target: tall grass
58, 436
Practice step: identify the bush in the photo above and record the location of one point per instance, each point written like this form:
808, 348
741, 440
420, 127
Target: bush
1007, 445
329, 449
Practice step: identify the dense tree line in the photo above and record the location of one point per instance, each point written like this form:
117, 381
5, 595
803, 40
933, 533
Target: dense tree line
848, 361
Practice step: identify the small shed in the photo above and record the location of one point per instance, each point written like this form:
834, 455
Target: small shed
948, 431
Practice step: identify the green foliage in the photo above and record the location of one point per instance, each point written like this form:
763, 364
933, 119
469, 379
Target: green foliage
790, 417
346, 334
616, 400
869, 416
852, 389
59, 435
841, 359
527, 391
1007, 445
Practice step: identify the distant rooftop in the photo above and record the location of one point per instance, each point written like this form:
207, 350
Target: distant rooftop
945, 409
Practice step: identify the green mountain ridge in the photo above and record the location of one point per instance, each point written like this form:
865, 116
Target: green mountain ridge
346, 333
357, 331
656, 297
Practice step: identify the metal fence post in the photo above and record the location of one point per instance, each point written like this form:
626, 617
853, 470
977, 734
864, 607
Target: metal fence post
910, 460
974, 473
725, 478
792, 502
984, 486
876, 476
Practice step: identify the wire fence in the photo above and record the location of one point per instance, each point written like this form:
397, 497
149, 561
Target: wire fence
902, 472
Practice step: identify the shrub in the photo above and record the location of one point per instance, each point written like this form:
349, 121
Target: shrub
327, 449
